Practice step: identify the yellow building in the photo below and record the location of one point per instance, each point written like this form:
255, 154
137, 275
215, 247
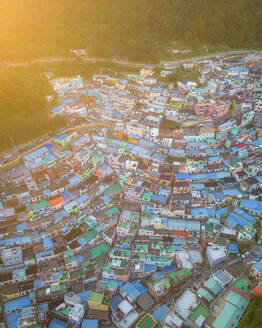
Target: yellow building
97, 301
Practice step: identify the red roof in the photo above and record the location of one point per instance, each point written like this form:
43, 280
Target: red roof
179, 233
241, 145
56, 201
258, 290
97, 174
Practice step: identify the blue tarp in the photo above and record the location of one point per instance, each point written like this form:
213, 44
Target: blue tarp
17, 303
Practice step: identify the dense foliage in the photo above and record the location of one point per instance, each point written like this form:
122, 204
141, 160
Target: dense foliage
24, 111
23, 108
252, 318
137, 29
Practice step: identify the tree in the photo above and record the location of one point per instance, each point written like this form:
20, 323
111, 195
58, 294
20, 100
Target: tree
252, 317
244, 246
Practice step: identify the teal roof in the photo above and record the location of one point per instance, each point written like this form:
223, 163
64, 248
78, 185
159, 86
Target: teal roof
229, 317
213, 286
239, 301
204, 293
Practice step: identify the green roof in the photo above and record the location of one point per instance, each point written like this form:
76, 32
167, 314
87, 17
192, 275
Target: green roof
76, 274
38, 206
204, 293
221, 242
96, 297
86, 263
100, 263
134, 216
200, 310
120, 253
242, 284
113, 189
124, 224
142, 247
105, 284
112, 211
161, 258
166, 283
209, 228
174, 275
68, 253
70, 259
146, 322
229, 317
65, 311
98, 249
213, 286
90, 235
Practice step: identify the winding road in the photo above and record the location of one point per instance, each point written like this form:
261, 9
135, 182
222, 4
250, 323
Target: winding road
124, 63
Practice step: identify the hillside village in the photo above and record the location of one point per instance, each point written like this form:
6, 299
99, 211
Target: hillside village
146, 211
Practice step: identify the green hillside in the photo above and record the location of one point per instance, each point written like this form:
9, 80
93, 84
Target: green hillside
133, 28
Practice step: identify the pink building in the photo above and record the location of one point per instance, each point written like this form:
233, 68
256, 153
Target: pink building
210, 108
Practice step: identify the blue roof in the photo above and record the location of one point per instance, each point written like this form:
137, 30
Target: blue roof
114, 302
17, 303
201, 211
56, 323
57, 109
12, 319
37, 283
192, 225
230, 222
67, 195
67, 101
81, 199
74, 180
21, 226
113, 113
214, 221
60, 214
89, 323
232, 192
238, 219
61, 137
258, 266
158, 198
168, 269
131, 290
79, 258
85, 295
252, 205
149, 268
232, 248
160, 312
137, 284
79, 141
111, 149
158, 157
221, 211
82, 241
43, 254
43, 306
245, 215
48, 242
36, 153
182, 176
119, 282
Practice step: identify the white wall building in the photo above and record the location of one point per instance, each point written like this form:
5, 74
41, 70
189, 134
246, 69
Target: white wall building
216, 254
12, 256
